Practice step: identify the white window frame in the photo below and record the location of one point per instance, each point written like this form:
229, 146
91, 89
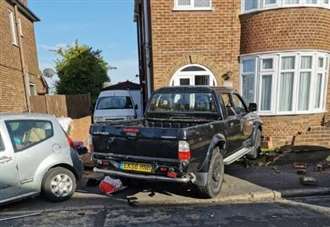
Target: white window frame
324, 71
276, 73
281, 4
191, 7
294, 95
255, 59
312, 82
13, 28
179, 74
266, 72
270, 6
20, 27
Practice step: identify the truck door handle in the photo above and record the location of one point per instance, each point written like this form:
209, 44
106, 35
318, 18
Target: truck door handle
5, 159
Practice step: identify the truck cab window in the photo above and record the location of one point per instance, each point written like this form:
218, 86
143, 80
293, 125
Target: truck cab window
239, 106
228, 104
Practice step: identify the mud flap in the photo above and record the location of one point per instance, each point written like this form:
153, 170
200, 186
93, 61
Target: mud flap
201, 179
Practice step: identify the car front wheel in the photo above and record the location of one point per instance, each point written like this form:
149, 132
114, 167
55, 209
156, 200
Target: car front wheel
59, 184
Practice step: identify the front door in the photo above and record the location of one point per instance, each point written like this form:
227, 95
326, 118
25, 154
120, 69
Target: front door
9, 183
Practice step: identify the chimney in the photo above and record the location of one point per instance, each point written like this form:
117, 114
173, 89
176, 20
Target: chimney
24, 2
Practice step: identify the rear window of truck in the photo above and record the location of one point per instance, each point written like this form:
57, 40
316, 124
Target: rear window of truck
183, 102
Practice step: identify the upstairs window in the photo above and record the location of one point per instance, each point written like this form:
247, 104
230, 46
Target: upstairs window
13, 27
192, 4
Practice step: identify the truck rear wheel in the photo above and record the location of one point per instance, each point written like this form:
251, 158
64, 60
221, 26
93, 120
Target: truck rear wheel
215, 176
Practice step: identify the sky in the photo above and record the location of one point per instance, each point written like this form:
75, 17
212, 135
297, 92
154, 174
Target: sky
106, 25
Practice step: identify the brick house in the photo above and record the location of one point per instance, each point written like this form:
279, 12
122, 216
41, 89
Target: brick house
275, 52
20, 76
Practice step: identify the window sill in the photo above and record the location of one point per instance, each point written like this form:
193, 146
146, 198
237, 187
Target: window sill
285, 7
263, 114
193, 9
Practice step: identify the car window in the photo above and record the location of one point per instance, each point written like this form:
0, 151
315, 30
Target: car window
2, 146
228, 104
239, 106
27, 133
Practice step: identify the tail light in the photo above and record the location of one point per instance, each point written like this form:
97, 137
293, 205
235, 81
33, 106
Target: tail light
70, 141
184, 151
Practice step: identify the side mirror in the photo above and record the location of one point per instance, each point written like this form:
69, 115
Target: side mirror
253, 107
136, 107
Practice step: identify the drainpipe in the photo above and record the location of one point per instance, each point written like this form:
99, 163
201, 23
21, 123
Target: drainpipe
26, 78
147, 45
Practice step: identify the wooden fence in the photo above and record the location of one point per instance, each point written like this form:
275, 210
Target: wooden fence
74, 106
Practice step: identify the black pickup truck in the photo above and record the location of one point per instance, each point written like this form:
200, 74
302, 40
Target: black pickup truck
187, 135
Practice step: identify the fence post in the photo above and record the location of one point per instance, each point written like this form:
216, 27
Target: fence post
46, 102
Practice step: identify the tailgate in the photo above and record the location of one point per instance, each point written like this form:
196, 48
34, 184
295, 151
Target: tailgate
150, 143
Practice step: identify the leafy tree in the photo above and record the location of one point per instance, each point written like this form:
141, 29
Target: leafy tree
81, 70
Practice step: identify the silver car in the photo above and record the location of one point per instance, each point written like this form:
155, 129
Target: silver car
36, 157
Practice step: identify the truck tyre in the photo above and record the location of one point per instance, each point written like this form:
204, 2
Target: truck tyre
215, 176
59, 184
256, 146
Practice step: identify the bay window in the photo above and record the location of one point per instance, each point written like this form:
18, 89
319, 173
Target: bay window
285, 83
256, 5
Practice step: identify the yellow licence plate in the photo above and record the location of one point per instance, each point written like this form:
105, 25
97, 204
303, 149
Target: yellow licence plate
138, 167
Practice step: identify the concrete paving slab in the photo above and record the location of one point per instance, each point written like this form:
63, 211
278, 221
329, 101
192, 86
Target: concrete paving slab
234, 190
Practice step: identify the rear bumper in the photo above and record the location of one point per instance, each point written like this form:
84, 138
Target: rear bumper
187, 179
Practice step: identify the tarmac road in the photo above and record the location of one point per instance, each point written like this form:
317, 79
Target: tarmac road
254, 214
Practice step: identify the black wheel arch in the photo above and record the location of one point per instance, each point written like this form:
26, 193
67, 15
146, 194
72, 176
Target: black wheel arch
218, 141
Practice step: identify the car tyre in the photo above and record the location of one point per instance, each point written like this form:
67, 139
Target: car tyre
215, 176
59, 184
256, 146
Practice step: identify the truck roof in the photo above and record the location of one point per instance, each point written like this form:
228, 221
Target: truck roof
195, 89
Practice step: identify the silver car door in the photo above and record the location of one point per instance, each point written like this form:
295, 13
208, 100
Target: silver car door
33, 141
9, 183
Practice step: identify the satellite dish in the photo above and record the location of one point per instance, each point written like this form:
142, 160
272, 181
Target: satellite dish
49, 73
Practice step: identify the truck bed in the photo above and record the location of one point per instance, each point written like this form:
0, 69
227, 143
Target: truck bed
146, 138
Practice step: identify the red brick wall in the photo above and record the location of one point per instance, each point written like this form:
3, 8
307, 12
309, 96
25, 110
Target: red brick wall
12, 96
289, 29
283, 129
285, 29
209, 38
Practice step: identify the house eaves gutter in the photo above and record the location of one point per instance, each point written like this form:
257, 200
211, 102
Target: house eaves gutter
25, 10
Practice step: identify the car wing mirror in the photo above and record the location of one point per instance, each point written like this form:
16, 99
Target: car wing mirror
253, 107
